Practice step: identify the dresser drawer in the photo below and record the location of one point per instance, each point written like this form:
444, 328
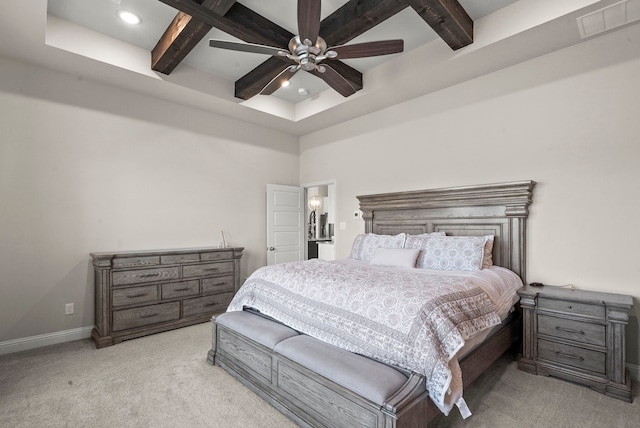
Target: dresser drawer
180, 289
573, 356
173, 259
134, 295
217, 255
568, 306
219, 284
127, 277
145, 315
206, 305
594, 334
128, 262
207, 269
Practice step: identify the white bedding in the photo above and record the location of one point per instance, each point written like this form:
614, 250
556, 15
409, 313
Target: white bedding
413, 318
500, 284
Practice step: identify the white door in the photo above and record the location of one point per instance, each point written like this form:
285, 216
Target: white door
285, 224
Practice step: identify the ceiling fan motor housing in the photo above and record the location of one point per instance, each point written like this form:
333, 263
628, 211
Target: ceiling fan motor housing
307, 55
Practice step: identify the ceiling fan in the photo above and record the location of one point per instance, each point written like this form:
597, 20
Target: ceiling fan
308, 51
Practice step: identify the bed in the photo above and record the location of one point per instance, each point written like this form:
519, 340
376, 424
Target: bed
318, 375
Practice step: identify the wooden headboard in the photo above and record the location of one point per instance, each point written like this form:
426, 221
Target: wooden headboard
494, 209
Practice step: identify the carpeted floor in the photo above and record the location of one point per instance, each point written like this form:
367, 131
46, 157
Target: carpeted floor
164, 381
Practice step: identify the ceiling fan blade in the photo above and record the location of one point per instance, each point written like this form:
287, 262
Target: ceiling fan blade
309, 20
367, 49
277, 82
335, 80
246, 47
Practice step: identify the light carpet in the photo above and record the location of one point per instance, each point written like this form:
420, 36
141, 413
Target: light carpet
164, 380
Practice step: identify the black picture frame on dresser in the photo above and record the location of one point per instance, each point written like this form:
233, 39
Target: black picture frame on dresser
577, 336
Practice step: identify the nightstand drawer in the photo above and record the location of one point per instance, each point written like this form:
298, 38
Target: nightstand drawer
573, 356
594, 334
570, 307
127, 277
135, 295
145, 315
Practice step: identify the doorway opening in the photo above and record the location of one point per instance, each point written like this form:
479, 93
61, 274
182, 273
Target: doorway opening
320, 214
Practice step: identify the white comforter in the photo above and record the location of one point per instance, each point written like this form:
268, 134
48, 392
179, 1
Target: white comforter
412, 318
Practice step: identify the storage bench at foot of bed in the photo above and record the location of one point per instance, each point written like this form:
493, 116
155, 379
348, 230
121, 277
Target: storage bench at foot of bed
312, 382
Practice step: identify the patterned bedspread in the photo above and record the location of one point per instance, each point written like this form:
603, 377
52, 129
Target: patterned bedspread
397, 316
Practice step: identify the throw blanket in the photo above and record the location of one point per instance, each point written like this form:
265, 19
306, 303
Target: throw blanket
399, 317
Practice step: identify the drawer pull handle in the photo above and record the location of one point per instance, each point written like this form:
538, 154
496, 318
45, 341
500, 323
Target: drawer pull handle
134, 296
210, 304
569, 330
182, 289
149, 275
572, 357
149, 315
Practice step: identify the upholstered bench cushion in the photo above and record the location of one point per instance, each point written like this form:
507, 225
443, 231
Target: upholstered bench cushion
256, 327
370, 379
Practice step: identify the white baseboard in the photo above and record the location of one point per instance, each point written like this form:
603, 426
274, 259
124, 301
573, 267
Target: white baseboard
32, 342
634, 371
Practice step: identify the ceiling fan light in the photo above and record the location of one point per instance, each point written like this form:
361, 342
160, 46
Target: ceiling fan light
129, 17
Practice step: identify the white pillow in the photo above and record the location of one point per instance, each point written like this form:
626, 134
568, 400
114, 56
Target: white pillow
398, 257
365, 245
453, 253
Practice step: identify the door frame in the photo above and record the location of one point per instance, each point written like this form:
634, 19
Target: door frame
305, 187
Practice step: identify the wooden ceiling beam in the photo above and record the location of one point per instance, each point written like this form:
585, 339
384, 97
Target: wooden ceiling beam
182, 35
447, 18
196, 18
355, 17
252, 83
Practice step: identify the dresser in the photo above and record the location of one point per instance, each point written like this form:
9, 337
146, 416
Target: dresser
577, 336
143, 292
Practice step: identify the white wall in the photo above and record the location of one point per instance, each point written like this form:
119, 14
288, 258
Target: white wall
86, 167
569, 120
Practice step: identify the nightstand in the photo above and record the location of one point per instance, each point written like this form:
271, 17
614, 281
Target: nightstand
578, 336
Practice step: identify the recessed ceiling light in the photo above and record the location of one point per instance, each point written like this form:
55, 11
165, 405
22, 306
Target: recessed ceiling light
303, 91
285, 84
128, 17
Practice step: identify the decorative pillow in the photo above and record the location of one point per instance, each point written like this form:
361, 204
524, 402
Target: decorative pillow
487, 258
430, 234
453, 253
419, 242
365, 245
399, 257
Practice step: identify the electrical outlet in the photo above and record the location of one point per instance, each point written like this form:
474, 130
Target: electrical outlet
68, 309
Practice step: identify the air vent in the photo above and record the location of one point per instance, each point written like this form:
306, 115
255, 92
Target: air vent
608, 18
